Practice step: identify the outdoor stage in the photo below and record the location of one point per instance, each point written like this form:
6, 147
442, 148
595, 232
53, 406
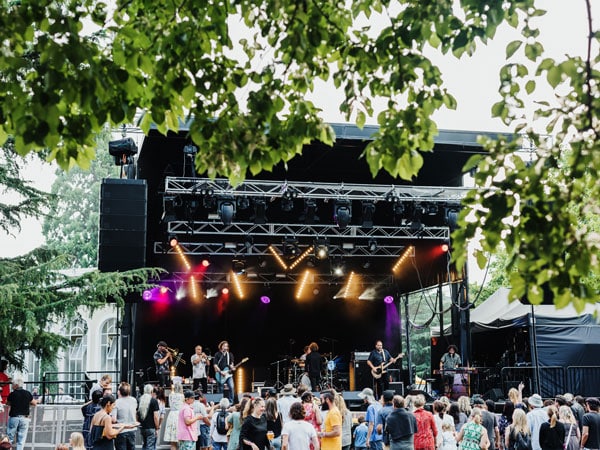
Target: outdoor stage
262, 242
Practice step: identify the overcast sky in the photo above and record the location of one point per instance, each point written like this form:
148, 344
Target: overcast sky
473, 81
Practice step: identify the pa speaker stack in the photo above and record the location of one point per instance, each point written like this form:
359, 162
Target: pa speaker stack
123, 213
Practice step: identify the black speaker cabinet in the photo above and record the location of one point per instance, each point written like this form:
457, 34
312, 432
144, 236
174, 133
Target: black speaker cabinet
397, 387
362, 376
123, 215
353, 401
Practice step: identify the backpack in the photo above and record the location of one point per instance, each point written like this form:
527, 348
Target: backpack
522, 442
221, 425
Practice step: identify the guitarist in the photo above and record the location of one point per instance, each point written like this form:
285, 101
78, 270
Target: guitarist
224, 366
378, 358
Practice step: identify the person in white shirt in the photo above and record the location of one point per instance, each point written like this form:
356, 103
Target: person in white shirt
297, 434
200, 362
287, 397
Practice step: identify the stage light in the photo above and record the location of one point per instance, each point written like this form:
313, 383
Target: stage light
451, 217
278, 258
205, 263
122, 151
260, 210
194, 291
351, 289
238, 266
182, 257
290, 246
302, 256
302, 285
226, 210
225, 291
342, 213
310, 211
243, 202
391, 197
408, 251
287, 204
431, 208
169, 214
322, 248
445, 247
338, 268
237, 284
368, 209
173, 242
163, 290
372, 245
147, 295
388, 299
180, 293
265, 299
349, 283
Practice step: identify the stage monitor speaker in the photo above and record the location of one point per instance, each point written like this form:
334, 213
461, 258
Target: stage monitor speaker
398, 388
428, 397
123, 217
493, 394
362, 375
353, 401
268, 390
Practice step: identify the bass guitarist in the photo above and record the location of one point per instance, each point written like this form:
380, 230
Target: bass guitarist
224, 366
379, 360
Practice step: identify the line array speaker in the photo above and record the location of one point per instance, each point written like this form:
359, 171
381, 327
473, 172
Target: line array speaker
123, 215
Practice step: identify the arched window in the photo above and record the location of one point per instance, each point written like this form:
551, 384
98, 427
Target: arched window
109, 346
77, 354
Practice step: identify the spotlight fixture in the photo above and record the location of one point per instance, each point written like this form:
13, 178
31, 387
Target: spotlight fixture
451, 217
302, 285
391, 197
302, 256
372, 245
388, 299
122, 151
170, 202
290, 246
190, 149
431, 208
226, 210
278, 257
368, 209
310, 211
342, 213
265, 299
260, 210
238, 266
237, 284
445, 247
321, 248
243, 202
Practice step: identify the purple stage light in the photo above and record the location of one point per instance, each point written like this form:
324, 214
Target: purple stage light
388, 299
265, 299
147, 295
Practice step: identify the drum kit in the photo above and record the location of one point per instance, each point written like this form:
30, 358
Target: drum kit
296, 373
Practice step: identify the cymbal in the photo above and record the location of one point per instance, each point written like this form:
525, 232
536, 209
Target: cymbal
296, 361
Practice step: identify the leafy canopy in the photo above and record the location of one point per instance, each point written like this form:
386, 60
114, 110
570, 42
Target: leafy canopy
246, 71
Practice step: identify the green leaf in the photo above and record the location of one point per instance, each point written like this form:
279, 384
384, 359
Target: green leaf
554, 76
512, 47
530, 86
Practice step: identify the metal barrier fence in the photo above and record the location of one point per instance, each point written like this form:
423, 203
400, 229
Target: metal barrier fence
53, 424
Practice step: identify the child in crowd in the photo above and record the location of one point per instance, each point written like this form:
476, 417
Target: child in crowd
360, 434
448, 437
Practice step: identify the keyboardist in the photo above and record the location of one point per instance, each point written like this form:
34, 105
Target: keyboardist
449, 361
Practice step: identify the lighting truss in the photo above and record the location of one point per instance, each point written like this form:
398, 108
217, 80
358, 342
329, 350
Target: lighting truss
307, 190
217, 278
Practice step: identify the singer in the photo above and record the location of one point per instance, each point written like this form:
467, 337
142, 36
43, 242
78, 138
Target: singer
379, 358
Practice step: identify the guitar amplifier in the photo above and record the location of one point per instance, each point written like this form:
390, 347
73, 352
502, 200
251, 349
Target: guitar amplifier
361, 356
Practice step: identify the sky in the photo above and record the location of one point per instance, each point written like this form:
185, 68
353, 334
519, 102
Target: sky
472, 80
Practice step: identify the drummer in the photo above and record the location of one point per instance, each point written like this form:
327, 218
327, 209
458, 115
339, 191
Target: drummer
303, 356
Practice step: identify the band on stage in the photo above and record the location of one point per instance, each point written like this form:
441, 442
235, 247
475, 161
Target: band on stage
312, 369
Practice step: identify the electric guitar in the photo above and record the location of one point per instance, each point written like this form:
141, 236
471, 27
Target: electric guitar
379, 371
225, 373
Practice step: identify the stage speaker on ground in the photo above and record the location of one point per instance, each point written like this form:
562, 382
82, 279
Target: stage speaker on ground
397, 387
493, 394
353, 401
123, 217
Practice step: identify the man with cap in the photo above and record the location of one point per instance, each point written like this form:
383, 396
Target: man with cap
382, 415
162, 362
374, 439
590, 436
535, 418
448, 363
286, 399
187, 429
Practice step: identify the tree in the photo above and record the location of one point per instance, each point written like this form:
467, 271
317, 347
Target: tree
34, 290
71, 227
244, 71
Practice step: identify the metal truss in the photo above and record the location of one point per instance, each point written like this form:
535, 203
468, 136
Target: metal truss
217, 278
307, 190
213, 238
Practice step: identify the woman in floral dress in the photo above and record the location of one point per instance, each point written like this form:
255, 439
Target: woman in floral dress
473, 435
